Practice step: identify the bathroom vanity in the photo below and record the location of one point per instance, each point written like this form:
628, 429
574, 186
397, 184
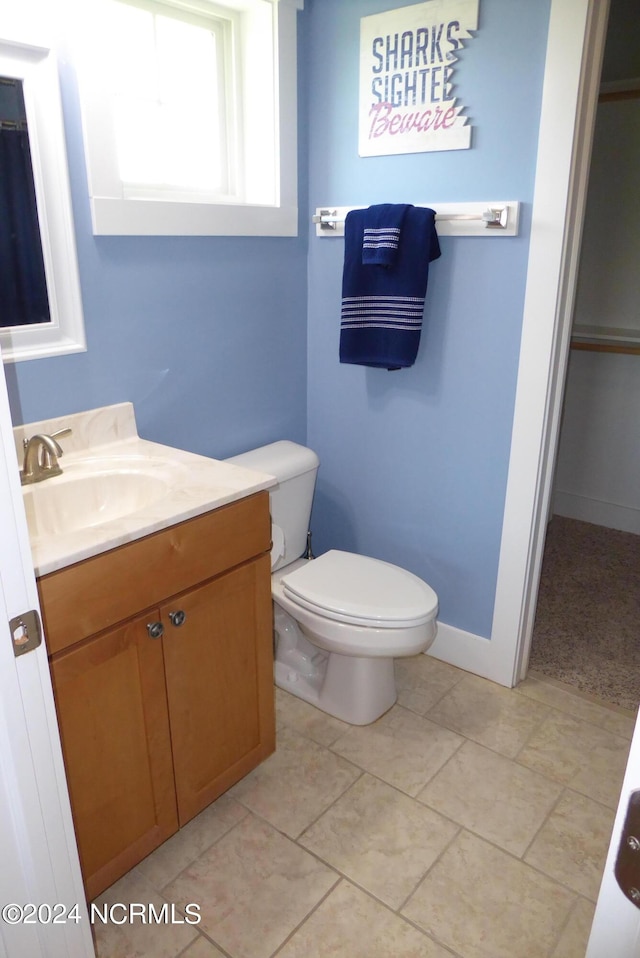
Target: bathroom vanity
160, 649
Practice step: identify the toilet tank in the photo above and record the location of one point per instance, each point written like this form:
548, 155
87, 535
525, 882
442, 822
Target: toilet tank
295, 467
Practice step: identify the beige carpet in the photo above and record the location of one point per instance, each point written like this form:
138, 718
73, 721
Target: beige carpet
587, 629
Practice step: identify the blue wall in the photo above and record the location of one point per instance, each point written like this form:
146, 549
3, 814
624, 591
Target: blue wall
205, 335
414, 462
218, 347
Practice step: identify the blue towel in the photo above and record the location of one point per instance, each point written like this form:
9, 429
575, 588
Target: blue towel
382, 307
381, 235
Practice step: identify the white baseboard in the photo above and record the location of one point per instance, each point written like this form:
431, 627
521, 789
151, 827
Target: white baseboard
601, 513
468, 651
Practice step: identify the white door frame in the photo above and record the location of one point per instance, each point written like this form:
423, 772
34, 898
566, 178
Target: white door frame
577, 33
38, 850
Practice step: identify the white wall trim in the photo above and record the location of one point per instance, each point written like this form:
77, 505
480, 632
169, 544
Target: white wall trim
599, 511
466, 651
577, 31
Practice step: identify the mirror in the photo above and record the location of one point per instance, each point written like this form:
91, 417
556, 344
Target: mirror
48, 319
23, 284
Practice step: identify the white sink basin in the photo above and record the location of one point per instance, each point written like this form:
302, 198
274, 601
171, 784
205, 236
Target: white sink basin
91, 492
116, 487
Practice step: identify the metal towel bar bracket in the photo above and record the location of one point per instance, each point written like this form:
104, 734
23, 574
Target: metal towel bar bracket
452, 219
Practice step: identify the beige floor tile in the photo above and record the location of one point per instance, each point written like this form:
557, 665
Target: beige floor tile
621, 723
254, 887
579, 707
574, 938
307, 720
422, 681
589, 759
492, 796
401, 748
201, 948
483, 903
295, 784
572, 844
404, 807
167, 861
500, 718
143, 939
349, 924
380, 838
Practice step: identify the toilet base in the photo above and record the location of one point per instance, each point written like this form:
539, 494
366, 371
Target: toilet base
355, 690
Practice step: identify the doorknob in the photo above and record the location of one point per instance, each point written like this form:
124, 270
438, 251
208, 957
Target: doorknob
155, 629
177, 618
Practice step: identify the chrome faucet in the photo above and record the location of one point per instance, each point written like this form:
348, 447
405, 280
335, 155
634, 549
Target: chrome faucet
41, 457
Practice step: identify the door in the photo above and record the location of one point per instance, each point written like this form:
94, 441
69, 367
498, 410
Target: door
219, 668
37, 843
616, 925
112, 710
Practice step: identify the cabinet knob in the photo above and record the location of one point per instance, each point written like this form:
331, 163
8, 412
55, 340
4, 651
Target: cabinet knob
177, 618
155, 629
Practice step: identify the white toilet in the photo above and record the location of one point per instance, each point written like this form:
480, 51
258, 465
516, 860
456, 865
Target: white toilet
340, 619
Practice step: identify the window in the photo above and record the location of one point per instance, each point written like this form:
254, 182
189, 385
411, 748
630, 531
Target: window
189, 114
175, 128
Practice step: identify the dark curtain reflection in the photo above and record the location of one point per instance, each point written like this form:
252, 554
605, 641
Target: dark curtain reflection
23, 287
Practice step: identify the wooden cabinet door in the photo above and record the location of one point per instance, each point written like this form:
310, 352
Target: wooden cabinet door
219, 669
112, 712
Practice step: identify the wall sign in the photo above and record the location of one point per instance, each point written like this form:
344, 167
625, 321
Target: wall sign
407, 58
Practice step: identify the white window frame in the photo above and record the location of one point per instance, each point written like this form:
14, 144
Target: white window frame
114, 213
225, 24
34, 64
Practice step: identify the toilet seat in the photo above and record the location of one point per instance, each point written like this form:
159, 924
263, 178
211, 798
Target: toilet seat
359, 590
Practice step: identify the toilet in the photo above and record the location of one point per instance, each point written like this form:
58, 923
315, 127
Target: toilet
340, 619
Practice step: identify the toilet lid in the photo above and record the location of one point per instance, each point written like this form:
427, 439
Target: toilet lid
362, 591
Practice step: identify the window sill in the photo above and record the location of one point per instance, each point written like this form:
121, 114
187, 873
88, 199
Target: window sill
116, 217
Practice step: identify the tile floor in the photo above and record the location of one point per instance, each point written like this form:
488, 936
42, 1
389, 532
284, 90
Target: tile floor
470, 821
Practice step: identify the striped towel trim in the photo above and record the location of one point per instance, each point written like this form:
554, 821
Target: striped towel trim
382, 312
381, 238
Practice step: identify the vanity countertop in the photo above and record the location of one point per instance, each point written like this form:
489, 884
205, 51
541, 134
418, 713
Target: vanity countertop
197, 484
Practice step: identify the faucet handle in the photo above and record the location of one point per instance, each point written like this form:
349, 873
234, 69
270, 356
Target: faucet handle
47, 452
61, 433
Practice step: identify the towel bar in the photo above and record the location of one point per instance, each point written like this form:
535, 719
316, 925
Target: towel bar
452, 219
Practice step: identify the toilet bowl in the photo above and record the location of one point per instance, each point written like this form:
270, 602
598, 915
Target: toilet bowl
340, 619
